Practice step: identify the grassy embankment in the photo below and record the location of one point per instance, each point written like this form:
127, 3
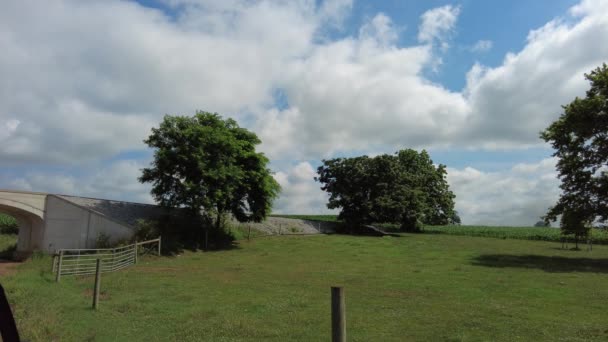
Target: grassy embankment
417, 287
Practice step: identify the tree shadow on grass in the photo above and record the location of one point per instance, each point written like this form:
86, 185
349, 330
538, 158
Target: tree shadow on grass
554, 264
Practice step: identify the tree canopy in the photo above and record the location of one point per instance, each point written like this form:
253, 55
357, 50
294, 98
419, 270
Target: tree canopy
405, 188
580, 139
210, 166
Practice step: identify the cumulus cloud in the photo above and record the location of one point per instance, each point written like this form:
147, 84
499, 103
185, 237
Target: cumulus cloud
482, 46
518, 196
301, 194
117, 180
85, 80
437, 25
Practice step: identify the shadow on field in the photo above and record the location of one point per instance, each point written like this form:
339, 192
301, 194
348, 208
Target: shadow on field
545, 263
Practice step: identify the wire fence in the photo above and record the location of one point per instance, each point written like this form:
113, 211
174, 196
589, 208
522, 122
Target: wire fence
84, 261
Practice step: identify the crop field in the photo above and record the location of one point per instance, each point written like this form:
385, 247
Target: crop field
415, 287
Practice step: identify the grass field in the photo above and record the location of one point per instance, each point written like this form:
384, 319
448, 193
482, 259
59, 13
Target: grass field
418, 287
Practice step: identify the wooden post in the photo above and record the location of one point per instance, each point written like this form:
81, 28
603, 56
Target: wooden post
338, 318
159, 245
58, 275
54, 266
97, 284
320, 230
135, 253
249, 233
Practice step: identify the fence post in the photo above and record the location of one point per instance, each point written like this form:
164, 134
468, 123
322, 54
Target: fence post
159, 246
54, 266
58, 275
338, 318
249, 232
279, 229
97, 284
135, 253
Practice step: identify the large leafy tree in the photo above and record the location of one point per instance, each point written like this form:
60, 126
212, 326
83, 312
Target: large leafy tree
580, 140
405, 188
210, 166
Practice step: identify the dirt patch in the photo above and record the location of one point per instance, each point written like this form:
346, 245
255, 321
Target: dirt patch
88, 293
7, 267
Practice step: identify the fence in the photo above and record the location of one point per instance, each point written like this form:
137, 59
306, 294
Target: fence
84, 261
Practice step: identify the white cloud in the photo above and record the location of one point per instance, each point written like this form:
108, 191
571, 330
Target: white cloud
518, 196
300, 193
437, 25
117, 180
87, 80
511, 103
83, 80
482, 46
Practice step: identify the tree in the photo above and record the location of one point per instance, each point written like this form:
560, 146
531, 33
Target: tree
209, 166
542, 223
404, 188
455, 220
580, 138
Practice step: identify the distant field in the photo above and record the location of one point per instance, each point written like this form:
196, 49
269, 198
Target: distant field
521, 233
322, 218
416, 287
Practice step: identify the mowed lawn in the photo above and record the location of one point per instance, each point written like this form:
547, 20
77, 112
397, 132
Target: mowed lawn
410, 288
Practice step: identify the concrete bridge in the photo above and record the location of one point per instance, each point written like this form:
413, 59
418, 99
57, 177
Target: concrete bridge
48, 222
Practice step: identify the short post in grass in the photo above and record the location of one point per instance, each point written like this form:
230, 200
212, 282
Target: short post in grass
97, 284
159, 246
248, 232
54, 265
279, 229
338, 316
58, 275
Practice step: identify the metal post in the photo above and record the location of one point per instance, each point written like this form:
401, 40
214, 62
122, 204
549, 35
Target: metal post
338, 318
135, 253
97, 284
159, 246
58, 275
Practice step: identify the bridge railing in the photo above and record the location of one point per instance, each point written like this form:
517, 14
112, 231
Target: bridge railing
84, 261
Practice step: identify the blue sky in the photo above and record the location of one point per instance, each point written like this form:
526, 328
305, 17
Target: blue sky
473, 82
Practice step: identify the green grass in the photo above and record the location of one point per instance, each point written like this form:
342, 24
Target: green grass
418, 287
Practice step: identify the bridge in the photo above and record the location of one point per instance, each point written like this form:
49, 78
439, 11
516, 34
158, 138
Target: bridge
48, 222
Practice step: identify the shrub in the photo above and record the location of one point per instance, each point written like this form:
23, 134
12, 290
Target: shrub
103, 241
8, 225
